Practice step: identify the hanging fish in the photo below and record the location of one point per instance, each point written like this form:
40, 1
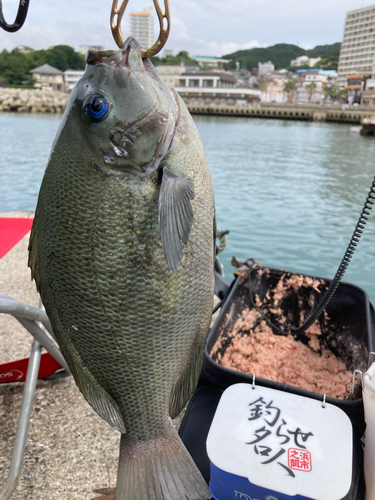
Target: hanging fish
122, 252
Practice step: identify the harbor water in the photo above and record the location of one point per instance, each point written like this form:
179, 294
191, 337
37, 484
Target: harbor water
289, 192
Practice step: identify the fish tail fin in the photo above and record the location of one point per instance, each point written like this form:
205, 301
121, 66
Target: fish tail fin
160, 469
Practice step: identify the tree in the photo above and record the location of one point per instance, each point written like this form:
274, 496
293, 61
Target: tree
15, 66
331, 92
311, 86
289, 88
326, 91
343, 94
181, 58
64, 57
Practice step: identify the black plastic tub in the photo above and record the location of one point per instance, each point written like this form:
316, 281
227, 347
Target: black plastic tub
351, 339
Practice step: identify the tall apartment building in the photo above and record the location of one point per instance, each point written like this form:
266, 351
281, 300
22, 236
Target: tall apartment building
358, 45
142, 27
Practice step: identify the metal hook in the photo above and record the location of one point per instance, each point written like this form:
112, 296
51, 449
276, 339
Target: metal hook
324, 401
20, 18
353, 381
116, 17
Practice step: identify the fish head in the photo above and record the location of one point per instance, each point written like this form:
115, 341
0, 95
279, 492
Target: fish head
127, 114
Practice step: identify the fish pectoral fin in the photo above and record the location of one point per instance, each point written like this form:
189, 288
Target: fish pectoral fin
175, 215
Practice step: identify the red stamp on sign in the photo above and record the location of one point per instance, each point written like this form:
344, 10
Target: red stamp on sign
299, 459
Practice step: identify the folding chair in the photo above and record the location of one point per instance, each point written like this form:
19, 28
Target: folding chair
35, 321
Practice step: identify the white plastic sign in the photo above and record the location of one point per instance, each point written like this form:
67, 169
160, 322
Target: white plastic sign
283, 442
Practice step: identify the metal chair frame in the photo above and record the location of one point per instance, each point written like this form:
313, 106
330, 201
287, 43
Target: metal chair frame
35, 320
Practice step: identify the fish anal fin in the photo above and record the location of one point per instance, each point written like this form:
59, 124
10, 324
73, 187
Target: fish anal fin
175, 215
188, 380
94, 393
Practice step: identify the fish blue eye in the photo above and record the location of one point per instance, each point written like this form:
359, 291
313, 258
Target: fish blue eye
97, 106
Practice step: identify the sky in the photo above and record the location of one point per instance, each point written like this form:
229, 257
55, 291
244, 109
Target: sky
202, 27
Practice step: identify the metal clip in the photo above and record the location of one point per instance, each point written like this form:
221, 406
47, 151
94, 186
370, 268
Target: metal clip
20, 17
353, 381
324, 401
116, 17
253, 384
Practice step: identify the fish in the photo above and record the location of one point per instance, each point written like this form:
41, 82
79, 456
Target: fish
122, 251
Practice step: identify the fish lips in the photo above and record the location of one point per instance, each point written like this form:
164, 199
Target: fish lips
129, 57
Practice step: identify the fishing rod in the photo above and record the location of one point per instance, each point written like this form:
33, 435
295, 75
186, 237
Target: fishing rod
20, 17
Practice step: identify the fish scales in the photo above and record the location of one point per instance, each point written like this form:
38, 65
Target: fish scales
129, 303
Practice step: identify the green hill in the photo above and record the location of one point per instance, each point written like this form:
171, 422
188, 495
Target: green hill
280, 55
324, 50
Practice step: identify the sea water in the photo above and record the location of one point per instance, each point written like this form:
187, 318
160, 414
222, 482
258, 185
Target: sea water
289, 192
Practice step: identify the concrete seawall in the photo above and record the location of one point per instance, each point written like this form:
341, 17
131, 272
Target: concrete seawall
46, 101
284, 112
32, 100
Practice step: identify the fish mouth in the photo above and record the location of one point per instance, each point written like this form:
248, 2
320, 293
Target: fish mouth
129, 57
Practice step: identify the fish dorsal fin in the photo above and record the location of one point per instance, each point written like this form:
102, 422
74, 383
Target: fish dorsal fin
175, 215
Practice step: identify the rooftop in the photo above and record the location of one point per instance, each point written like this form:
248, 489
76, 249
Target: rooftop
211, 59
226, 77
47, 69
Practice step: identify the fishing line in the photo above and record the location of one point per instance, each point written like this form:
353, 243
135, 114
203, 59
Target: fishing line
358, 231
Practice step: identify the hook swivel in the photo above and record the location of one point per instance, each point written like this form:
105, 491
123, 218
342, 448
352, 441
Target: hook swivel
116, 17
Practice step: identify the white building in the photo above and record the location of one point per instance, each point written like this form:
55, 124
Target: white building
264, 68
207, 79
320, 79
305, 61
358, 45
210, 61
171, 74
71, 77
142, 27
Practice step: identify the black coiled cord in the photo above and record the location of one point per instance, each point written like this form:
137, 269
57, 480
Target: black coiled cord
370, 200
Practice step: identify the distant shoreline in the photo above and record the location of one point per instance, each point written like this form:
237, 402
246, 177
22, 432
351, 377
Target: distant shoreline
283, 111
47, 101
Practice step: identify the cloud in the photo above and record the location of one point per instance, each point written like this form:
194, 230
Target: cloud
224, 27
221, 48
218, 49
33, 35
178, 31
